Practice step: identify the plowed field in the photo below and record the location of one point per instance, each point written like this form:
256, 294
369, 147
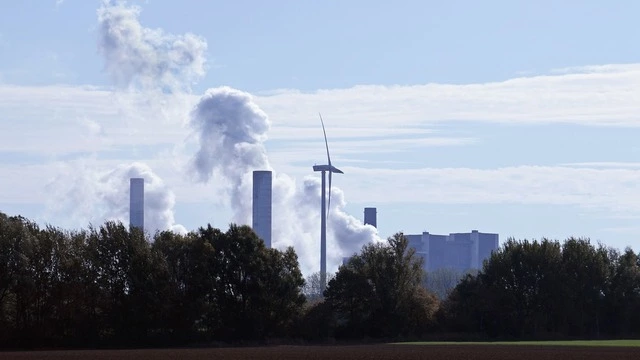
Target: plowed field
432, 352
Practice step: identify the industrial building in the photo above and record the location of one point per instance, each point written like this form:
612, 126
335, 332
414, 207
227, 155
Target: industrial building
460, 251
136, 203
370, 216
261, 220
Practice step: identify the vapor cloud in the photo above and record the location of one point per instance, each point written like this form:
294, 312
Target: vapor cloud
94, 196
231, 130
147, 58
139, 59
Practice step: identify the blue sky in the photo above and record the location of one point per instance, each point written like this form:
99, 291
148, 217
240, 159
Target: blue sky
335, 44
504, 116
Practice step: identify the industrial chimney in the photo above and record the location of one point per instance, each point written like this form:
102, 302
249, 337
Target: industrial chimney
370, 216
136, 203
262, 205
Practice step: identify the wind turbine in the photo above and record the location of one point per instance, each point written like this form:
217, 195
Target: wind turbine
323, 209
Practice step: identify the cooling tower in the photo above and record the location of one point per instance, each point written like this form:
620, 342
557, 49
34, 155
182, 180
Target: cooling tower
136, 203
370, 216
262, 205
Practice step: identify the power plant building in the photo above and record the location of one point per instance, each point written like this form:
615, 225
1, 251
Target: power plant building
136, 203
261, 220
370, 216
460, 251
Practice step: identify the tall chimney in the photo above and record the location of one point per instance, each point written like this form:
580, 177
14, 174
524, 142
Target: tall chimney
370, 216
136, 203
262, 181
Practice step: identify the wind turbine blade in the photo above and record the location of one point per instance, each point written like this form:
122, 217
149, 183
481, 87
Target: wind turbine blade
326, 143
329, 202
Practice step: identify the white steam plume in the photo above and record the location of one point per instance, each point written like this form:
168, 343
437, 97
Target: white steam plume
231, 130
98, 196
144, 57
136, 58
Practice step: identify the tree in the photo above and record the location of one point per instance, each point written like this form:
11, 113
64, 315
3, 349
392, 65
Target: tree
442, 281
622, 296
517, 292
255, 290
312, 289
465, 308
584, 277
188, 273
377, 293
523, 281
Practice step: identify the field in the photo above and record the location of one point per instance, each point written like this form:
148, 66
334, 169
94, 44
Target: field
432, 351
624, 343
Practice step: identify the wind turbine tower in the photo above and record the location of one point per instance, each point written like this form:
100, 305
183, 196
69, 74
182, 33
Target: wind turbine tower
323, 209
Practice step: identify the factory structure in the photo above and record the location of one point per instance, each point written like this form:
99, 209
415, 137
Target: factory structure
136, 203
370, 216
261, 220
459, 251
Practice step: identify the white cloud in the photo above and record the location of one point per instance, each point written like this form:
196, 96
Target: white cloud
86, 194
59, 122
141, 57
610, 96
604, 164
609, 189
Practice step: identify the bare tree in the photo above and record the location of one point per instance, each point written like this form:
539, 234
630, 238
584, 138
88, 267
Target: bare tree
442, 281
312, 287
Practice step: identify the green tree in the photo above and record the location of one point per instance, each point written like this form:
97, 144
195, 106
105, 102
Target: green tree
121, 267
584, 276
378, 292
465, 309
622, 297
188, 287
256, 290
523, 282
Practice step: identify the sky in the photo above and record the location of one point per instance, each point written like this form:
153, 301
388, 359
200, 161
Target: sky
512, 117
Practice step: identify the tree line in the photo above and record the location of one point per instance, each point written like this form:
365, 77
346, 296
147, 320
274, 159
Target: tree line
549, 289
115, 286
109, 286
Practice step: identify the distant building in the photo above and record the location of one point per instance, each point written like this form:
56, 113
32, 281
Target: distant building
370, 217
136, 203
262, 181
460, 251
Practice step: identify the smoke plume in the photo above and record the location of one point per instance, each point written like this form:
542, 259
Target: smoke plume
144, 57
231, 130
138, 59
95, 196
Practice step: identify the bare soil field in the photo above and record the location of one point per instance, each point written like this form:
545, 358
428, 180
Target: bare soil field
408, 352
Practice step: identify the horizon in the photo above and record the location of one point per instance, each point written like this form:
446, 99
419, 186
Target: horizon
439, 118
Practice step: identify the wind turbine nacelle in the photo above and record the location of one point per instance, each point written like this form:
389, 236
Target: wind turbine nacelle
328, 168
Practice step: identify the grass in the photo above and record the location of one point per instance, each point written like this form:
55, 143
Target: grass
621, 343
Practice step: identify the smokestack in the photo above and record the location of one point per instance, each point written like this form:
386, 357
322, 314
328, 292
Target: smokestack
370, 216
262, 205
136, 203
